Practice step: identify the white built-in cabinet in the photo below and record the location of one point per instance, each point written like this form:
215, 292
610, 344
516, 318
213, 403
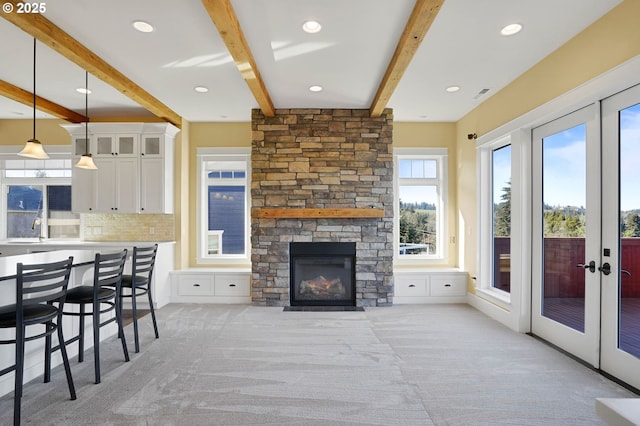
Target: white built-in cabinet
211, 285
435, 285
135, 168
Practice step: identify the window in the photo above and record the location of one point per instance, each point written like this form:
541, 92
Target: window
420, 204
223, 231
37, 201
501, 208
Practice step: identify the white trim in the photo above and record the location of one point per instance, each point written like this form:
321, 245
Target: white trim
223, 154
442, 182
516, 315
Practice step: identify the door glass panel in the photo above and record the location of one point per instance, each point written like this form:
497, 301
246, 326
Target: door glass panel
152, 145
61, 221
24, 211
103, 144
125, 145
564, 196
501, 184
629, 280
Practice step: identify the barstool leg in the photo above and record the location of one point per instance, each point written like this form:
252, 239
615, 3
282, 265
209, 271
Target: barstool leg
153, 312
134, 312
47, 354
65, 360
118, 310
96, 339
81, 335
19, 374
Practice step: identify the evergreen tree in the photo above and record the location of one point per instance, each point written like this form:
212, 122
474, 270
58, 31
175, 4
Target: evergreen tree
631, 225
502, 213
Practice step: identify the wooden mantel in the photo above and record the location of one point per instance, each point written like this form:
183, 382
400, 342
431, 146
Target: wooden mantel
320, 213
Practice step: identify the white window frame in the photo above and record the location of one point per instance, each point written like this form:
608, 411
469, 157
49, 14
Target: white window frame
520, 250
440, 155
221, 154
57, 154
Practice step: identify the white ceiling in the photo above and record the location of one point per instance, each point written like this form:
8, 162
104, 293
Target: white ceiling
348, 57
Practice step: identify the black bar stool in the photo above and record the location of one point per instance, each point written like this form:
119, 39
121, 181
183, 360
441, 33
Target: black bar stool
40, 295
102, 297
139, 284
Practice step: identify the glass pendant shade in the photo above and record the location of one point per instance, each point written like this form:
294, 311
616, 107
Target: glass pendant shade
33, 149
86, 162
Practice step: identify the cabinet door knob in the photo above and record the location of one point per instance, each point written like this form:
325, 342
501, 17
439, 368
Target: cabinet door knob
232, 285
196, 285
412, 285
447, 285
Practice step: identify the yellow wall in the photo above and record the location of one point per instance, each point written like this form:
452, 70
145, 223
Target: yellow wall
209, 135
48, 131
607, 43
435, 135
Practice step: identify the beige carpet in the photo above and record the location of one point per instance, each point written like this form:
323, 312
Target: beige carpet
401, 365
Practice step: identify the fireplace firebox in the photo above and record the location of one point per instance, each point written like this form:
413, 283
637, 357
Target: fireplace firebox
322, 273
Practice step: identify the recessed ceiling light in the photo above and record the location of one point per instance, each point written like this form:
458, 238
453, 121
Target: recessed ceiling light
143, 27
311, 27
511, 29
201, 89
315, 88
452, 89
83, 90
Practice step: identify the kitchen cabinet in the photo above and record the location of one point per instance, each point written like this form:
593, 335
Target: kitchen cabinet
116, 185
135, 168
122, 145
156, 173
83, 190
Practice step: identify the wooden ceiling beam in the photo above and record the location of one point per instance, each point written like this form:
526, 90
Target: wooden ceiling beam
54, 37
224, 18
422, 16
25, 97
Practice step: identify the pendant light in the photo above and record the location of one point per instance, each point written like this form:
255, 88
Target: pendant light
33, 148
86, 162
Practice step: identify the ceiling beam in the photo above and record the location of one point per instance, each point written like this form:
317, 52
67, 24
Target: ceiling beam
17, 94
422, 16
224, 18
54, 37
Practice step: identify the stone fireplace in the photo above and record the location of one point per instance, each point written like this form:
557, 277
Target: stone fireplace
322, 175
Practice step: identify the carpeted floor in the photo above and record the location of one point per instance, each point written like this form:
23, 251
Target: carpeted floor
245, 365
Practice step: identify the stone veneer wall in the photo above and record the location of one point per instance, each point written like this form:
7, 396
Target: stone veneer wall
322, 158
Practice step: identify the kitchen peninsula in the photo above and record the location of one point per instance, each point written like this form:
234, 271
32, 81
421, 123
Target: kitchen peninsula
165, 259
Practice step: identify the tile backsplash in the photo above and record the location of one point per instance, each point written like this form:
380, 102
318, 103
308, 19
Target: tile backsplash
128, 227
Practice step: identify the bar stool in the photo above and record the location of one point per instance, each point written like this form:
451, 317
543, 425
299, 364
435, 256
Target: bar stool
102, 297
139, 284
40, 295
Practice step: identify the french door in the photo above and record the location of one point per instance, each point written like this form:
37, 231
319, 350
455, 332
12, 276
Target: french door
586, 234
620, 352
566, 230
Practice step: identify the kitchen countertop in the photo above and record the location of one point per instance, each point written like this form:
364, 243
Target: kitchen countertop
9, 264
80, 243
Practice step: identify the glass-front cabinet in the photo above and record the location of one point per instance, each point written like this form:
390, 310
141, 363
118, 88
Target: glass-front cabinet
135, 168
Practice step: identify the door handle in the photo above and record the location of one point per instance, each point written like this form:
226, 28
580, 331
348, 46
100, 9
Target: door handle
591, 266
624, 271
605, 268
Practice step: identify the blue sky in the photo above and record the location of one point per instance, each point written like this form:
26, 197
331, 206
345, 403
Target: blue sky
630, 158
564, 165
